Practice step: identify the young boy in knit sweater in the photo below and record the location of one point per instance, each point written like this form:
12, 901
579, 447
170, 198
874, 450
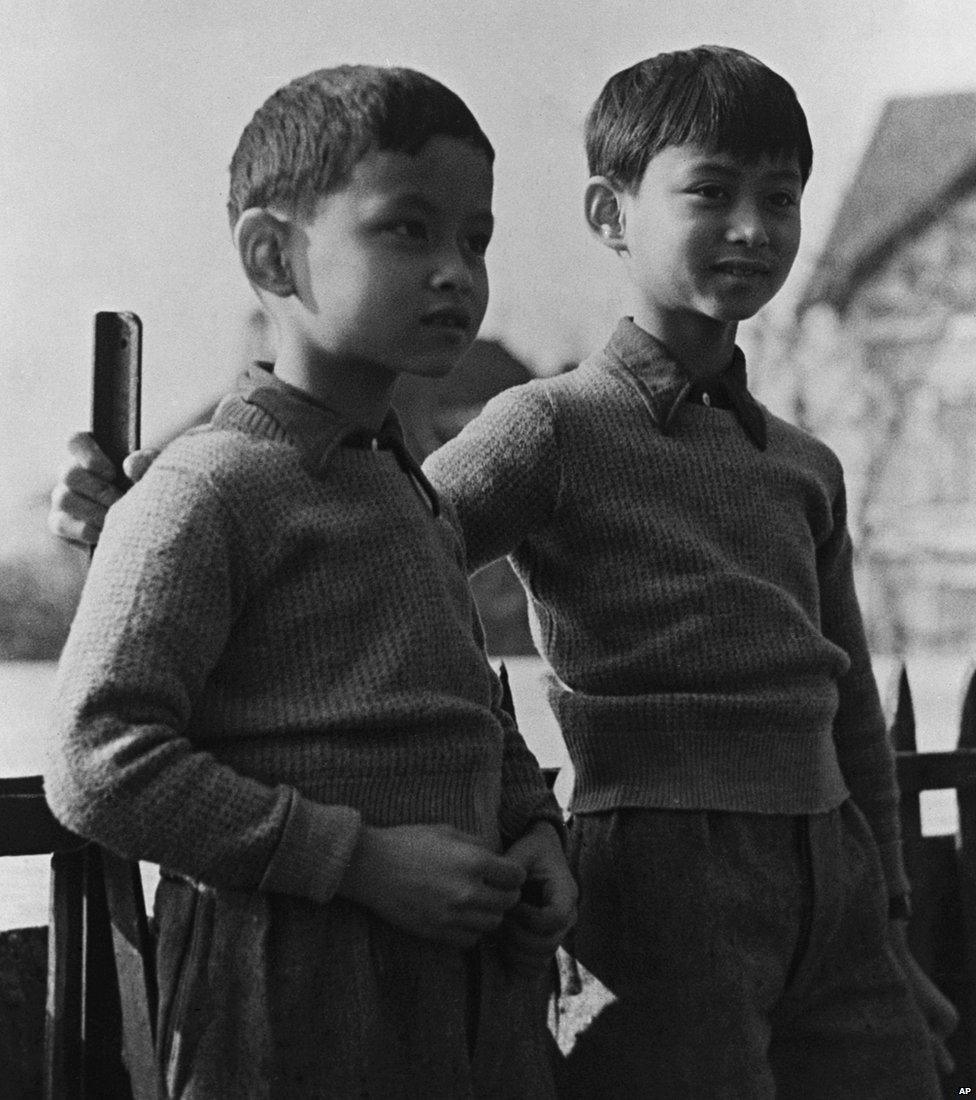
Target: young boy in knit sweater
734, 829
275, 685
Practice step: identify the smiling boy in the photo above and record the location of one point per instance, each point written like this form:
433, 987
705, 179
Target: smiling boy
275, 685
735, 828
694, 280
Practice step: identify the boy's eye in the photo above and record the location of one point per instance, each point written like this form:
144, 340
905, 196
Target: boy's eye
712, 192
411, 228
783, 199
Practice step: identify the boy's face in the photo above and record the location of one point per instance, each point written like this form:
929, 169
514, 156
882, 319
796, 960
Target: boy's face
709, 238
390, 269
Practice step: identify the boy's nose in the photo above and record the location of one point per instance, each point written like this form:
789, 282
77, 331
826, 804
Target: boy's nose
451, 272
748, 226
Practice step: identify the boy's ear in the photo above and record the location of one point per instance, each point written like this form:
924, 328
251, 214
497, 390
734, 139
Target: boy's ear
262, 244
604, 214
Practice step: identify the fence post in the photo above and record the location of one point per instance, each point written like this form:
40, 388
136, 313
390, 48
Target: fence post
63, 1073
98, 942
936, 932
902, 736
966, 849
105, 1074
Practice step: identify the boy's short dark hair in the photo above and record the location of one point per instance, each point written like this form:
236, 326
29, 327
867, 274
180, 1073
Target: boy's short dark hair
714, 96
307, 137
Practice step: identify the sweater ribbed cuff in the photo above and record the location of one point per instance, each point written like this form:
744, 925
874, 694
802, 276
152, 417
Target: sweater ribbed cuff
314, 850
523, 808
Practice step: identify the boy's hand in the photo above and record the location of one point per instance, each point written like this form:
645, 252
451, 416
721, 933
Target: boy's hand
86, 491
939, 1012
538, 924
432, 881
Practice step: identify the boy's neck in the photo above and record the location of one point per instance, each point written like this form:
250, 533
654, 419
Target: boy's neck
358, 392
702, 350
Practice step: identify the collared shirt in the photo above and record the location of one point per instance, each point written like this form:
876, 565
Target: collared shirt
316, 429
664, 387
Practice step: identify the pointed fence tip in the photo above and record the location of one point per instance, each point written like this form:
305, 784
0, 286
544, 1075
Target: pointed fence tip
967, 720
507, 702
902, 711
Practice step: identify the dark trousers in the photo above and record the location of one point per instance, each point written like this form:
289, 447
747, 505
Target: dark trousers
265, 997
743, 956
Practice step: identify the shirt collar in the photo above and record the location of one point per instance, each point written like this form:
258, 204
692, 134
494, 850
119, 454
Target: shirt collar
314, 428
317, 430
662, 385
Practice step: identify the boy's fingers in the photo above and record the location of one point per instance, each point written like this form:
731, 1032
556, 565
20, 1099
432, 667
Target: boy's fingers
75, 518
502, 873
543, 922
490, 901
84, 534
78, 485
137, 463
72, 505
87, 454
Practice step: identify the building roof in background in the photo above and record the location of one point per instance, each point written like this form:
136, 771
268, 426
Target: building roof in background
921, 158
486, 369
435, 409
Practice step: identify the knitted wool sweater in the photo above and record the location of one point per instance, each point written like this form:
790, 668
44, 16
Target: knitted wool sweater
276, 644
690, 582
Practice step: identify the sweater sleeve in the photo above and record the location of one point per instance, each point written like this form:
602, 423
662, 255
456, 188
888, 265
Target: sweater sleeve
502, 473
165, 585
525, 795
864, 751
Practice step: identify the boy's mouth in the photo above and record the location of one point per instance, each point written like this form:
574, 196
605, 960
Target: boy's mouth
447, 317
742, 269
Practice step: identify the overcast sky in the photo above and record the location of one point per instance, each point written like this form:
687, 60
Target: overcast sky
118, 118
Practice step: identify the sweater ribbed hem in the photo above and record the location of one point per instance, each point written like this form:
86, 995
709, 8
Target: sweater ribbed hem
781, 772
754, 753
388, 785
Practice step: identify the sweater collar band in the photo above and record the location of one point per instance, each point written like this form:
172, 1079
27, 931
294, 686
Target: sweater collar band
663, 387
313, 427
317, 430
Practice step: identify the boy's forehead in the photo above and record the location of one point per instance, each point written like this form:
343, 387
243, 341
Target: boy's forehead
692, 157
441, 166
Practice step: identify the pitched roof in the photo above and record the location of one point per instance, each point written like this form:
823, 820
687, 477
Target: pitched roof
485, 369
435, 409
921, 157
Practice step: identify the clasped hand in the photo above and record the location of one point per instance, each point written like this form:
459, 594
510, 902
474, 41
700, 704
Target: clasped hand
439, 883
